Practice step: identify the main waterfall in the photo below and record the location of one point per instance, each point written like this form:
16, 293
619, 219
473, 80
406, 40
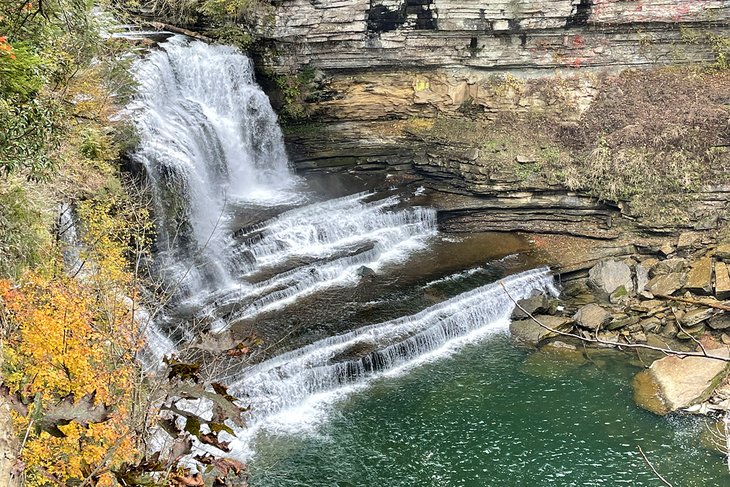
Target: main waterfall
240, 236
213, 151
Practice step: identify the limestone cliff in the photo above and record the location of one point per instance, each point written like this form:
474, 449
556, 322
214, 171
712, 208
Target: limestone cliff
372, 63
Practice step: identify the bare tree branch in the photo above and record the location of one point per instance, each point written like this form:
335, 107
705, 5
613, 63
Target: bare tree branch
700, 302
658, 475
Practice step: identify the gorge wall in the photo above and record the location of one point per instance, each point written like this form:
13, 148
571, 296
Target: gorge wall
370, 73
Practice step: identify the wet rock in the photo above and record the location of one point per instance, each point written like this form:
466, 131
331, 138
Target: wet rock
609, 275
699, 279
592, 316
720, 321
355, 351
667, 284
673, 383
364, 271
722, 281
530, 333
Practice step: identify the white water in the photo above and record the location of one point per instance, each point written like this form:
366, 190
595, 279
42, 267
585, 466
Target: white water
211, 145
292, 391
209, 138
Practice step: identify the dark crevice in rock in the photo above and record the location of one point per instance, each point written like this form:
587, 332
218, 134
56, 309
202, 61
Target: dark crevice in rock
383, 19
581, 14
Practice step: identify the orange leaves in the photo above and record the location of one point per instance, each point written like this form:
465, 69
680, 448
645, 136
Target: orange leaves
6, 49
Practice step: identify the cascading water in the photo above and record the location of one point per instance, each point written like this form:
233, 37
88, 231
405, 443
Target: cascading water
280, 388
208, 138
211, 146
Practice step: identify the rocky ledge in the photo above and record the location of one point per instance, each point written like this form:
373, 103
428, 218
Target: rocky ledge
669, 311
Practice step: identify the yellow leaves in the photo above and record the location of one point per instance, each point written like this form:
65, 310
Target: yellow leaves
64, 344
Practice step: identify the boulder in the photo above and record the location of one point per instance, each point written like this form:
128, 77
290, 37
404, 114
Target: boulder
364, 271
722, 281
530, 333
667, 283
699, 279
592, 316
539, 304
609, 275
673, 383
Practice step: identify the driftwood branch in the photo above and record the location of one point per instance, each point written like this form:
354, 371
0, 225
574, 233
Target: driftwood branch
658, 475
595, 339
698, 302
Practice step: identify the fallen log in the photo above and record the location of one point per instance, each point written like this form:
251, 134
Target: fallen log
179, 30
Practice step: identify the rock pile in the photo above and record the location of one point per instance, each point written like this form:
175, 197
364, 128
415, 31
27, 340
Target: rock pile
672, 301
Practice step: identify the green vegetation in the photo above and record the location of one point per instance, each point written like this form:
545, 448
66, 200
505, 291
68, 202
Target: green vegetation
650, 139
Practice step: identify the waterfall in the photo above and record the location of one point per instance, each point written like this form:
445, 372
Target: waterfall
208, 139
212, 148
286, 389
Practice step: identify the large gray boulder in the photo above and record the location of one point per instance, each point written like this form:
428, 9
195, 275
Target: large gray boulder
592, 317
609, 275
673, 383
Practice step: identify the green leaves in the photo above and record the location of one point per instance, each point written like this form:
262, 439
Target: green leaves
29, 132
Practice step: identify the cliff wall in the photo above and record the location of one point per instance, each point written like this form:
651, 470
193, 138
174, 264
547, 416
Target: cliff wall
367, 71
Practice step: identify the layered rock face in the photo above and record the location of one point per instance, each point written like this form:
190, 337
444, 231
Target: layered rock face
526, 34
376, 61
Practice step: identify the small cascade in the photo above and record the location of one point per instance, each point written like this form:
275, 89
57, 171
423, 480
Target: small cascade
283, 383
68, 235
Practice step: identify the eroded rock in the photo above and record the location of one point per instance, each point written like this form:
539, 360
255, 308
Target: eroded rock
673, 383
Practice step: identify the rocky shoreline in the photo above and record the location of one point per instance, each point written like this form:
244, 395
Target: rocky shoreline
667, 310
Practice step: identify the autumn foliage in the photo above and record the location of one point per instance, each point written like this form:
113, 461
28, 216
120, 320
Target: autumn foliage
64, 345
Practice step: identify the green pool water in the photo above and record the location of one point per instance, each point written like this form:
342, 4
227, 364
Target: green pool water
491, 414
